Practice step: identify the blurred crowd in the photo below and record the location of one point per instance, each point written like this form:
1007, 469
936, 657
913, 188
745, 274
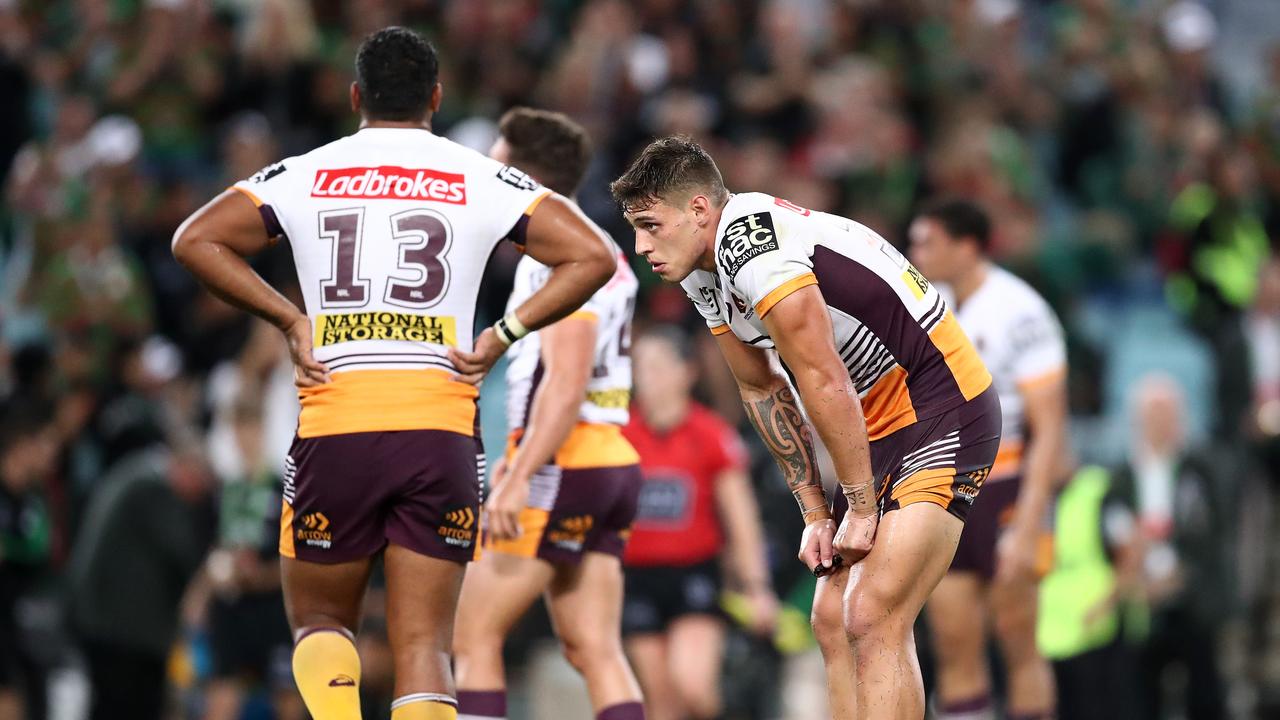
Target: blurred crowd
1128, 150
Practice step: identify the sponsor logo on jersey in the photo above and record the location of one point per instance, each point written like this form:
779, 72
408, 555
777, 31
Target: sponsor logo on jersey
388, 182
746, 238
571, 533
349, 327
614, 399
516, 179
458, 528
267, 173
315, 530
915, 281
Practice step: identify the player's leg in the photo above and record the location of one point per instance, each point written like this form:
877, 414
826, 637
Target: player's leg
585, 602
645, 616
695, 651
648, 654
498, 590
886, 590
957, 626
837, 654
1031, 693
422, 599
323, 603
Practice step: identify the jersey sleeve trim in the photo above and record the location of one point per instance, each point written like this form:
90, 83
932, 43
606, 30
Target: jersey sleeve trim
257, 201
719, 329
536, 202
517, 234
583, 315
777, 294
1043, 379
270, 221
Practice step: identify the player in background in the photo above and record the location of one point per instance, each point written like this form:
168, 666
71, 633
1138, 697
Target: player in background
390, 228
564, 496
1003, 549
889, 381
697, 509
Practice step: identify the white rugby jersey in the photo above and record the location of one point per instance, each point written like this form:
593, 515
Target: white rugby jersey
905, 353
609, 389
1022, 344
391, 230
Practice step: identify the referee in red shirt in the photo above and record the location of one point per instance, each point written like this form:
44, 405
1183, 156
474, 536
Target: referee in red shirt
696, 495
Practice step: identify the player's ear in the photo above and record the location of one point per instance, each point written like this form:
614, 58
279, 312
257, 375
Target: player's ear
355, 97
701, 206
437, 94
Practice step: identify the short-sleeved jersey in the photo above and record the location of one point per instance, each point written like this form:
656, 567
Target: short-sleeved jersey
1021, 342
677, 522
905, 353
609, 387
391, 230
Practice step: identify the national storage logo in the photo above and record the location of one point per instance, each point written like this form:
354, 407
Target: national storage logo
350, 327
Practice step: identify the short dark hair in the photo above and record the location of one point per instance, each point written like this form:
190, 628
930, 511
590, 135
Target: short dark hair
552, 148
961, 219
396, 69
668, 166
674, 336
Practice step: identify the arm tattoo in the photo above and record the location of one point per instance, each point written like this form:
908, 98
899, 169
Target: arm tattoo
786, 433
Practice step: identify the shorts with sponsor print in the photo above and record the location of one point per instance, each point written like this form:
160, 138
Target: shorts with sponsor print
346, 496
574, 511
986, 524
943, 459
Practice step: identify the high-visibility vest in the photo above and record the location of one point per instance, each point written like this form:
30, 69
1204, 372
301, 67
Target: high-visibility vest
1082, 575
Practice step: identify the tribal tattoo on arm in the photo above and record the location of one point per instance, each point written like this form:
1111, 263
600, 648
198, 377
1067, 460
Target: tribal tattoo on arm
786, 433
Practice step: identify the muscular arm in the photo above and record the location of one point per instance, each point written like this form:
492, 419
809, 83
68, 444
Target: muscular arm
568, 348
579, 254
213, 244
1046, 413
801, 330
772, 409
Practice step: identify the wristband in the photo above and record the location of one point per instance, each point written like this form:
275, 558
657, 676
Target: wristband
509, 329
857, 495
813, 504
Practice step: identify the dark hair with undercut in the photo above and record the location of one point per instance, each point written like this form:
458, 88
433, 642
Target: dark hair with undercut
552, 148
962, 219
397, 70
668, 167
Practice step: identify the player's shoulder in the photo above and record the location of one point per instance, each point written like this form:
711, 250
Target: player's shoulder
1014, 295
748, 229
698, 280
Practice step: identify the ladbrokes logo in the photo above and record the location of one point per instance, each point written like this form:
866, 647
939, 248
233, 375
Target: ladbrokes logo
746, 238
347, 327
315, 530
571, 533
459, 527
388, 182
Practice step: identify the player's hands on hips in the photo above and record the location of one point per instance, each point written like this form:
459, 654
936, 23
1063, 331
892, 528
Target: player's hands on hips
307, 371
1016, 552
856, 536
473, 366
506, 501
817, 551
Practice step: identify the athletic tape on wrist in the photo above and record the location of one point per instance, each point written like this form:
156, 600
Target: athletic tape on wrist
509, 329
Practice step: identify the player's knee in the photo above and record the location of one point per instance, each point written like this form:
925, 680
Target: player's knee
472, 641
867, 617
587, 651
957, 638
827, 620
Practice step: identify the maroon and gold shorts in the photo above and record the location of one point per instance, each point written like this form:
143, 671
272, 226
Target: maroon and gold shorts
943, 460
346, 496
583, 503
987, 522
